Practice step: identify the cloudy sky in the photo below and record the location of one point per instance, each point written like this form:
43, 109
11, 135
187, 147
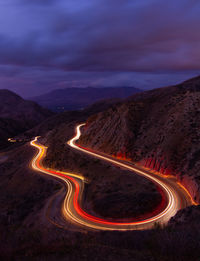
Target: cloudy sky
49, 44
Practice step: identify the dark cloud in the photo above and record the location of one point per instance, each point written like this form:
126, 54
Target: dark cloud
37, 2
101, 37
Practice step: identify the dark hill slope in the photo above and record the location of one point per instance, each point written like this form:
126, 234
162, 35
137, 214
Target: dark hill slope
18, 115
159, 129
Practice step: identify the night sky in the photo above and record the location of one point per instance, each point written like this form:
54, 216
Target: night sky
49, 44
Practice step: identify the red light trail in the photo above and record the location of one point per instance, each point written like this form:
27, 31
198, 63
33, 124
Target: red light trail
176, 196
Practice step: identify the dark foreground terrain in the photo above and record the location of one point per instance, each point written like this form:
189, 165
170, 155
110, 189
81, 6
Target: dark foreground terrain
26, 233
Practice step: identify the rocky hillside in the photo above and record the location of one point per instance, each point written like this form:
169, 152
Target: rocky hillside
79, 98
159, 129
18, 115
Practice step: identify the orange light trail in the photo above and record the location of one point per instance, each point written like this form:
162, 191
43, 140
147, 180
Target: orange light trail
71, 209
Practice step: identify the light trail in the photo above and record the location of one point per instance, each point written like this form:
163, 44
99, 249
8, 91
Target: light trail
177, 198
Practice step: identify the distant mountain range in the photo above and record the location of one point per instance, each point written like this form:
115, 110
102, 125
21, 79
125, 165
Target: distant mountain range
18, 115
79, 98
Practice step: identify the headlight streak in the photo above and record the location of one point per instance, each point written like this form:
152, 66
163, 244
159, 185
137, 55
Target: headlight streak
71, 209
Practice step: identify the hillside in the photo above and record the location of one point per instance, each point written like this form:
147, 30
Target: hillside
79, 98
27, 220
158, 129
18, 115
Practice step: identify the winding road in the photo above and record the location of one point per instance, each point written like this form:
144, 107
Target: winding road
177, 196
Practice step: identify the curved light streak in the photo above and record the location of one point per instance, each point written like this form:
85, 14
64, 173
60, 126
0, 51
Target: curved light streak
71, 209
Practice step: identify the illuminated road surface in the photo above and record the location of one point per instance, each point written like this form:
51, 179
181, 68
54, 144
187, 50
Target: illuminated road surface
177, 197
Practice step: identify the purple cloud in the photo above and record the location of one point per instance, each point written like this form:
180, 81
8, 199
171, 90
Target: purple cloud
100, 38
